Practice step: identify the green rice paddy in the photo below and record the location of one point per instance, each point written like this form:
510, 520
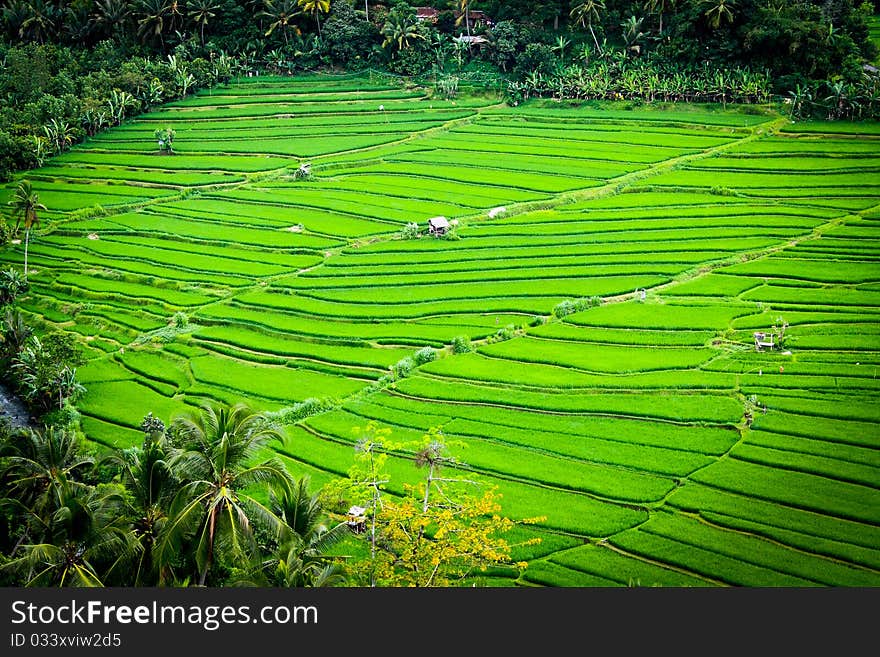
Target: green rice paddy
657, 444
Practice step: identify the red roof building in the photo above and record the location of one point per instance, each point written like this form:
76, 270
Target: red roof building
427, 14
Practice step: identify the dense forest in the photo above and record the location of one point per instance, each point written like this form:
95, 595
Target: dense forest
71, 69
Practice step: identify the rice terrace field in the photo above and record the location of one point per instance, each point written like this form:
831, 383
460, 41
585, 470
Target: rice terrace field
612, 267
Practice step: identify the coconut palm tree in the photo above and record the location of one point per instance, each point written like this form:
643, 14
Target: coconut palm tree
201, 12
147, 476
281, 13
113, 16
585, 13
315, 8
38, 462
400, 27
85, 536
153, 15
214, 507
464, 11
301, 558
25, 203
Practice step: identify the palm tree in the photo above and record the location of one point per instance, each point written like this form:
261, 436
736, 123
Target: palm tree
301, 557
151, 22
585, 13
201, 12
315, 8
25, 203
113, 16
38, 462
215, 467
40, 23
281, 13
85, 538
151, 484
175, 16
719, 9
399, 28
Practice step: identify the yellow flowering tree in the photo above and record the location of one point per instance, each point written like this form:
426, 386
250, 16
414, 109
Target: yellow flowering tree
441, 531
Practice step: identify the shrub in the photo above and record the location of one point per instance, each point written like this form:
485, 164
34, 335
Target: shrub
461, 344
410, 231
424, 355
505, 333
12, 284
447, 87
66, 418
569, 306
348, 37
301, 410
537, 59
177, 325
402, 368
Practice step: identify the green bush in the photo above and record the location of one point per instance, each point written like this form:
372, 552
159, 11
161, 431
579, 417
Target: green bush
410, 231
424, 355
179, 320
505, 333
300, 411
461, 344
402, 368
569, 307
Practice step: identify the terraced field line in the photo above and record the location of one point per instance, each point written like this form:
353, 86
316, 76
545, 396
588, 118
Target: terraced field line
619, 183
419, 134
258, 176
613, 186
742, 256
603, 543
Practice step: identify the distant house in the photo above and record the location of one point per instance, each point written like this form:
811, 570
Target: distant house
356, 519
427, 14
763, 339
438, 226
475, 17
